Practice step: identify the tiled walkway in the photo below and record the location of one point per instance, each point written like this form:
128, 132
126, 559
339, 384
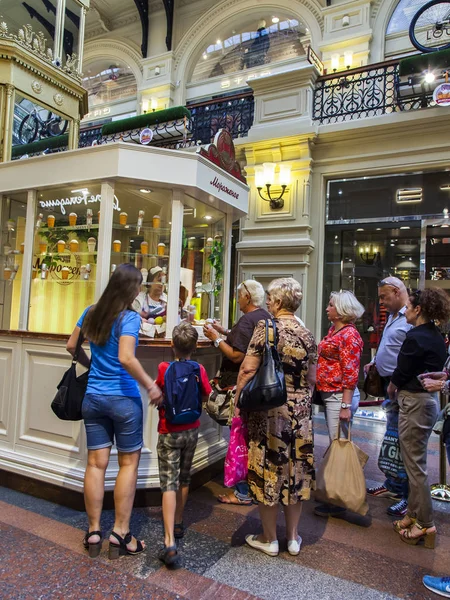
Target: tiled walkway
41, 555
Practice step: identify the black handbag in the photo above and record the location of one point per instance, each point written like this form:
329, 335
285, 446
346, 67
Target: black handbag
267, 389
373, 383
71, 390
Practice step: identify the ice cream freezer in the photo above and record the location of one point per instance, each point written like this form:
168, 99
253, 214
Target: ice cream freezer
67, 220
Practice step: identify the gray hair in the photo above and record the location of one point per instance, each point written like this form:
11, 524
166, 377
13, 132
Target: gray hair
255, 289
287, 291
347, 306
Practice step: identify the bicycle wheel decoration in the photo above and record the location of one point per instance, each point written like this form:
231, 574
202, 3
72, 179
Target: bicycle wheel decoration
430, 27
28, 129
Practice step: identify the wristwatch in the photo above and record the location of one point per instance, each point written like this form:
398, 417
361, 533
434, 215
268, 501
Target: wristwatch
343, 405
217, 342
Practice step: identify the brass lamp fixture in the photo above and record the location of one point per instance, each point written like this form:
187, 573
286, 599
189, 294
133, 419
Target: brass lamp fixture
369, 254
265, 177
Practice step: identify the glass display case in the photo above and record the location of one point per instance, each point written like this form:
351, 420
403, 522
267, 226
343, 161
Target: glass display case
13, 219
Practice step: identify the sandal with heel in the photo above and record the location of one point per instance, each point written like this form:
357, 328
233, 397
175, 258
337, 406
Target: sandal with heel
427, 535
404, 523
116, 550
94, 548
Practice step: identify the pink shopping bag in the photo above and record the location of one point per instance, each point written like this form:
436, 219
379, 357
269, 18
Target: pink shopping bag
236, 460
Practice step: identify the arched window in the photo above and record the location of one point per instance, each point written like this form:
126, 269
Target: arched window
259, 40
111, 87
402, 15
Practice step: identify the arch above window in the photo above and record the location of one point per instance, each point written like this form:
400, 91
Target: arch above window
402, 15
260, 39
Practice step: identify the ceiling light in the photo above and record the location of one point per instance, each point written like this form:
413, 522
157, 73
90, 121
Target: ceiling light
205, 56
429, 77
360, 229
445, 188
378, 229
208, 217
275, 20
405, 227
81, 190
145, 191
409, 196
218, 42
192, 238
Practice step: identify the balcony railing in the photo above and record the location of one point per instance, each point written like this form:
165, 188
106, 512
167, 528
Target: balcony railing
233, 113
366, 92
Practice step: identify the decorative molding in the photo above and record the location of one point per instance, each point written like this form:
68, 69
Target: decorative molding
9, 90
218, 13
111, 48
36, 86
58, 98
222, 154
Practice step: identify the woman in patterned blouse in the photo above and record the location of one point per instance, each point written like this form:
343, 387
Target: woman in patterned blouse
338, 367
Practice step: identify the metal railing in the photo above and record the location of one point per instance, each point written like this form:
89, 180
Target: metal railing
233, 113
366, 92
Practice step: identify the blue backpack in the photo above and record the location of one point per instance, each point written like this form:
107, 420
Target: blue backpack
183, 398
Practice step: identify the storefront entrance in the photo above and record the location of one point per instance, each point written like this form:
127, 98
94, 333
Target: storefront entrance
359, 252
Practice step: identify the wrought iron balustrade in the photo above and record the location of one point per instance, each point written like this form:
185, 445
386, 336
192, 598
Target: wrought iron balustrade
233, 113
365, 92
89, 135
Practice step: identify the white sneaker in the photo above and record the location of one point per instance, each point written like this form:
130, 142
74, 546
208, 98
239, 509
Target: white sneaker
270, 548
294, 546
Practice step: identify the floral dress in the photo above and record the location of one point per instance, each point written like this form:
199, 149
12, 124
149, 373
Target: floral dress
280, 457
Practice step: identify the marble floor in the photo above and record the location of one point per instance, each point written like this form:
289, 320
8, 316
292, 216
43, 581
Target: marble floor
41, 556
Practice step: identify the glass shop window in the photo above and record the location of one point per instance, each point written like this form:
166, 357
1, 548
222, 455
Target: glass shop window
65, 257
13, 218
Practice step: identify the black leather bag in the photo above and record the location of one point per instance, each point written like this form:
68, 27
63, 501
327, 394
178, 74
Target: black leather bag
267, 389
71, 390
373, 383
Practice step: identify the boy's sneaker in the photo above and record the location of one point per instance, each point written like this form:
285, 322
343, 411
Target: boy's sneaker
399, 509
380, 491
438, 585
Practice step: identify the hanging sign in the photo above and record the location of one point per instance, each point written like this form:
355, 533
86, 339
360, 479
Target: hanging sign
314, 60
441, 94
146, 136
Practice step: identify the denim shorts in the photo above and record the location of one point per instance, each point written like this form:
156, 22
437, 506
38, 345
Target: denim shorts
113, 417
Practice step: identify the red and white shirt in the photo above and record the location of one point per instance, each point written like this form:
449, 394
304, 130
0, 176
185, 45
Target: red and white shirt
339, 359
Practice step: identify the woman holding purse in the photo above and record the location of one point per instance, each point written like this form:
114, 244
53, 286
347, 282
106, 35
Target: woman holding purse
338, 369
112, 407
280, 455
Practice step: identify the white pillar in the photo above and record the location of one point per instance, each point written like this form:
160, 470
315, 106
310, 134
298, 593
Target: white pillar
104, 238
27, 260
59, 32
175, 261
226, 270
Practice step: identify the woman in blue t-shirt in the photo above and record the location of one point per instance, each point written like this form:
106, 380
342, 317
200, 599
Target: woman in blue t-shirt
112, 406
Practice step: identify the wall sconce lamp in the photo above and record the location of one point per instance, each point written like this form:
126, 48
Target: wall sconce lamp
345, 21
157, 71
369, 254
145, 104
154, 104
265, 177
336, 60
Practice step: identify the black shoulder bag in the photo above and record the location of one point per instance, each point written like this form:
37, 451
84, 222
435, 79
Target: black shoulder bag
267, 389
71, 390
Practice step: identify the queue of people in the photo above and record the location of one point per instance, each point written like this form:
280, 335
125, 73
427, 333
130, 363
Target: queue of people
410, 359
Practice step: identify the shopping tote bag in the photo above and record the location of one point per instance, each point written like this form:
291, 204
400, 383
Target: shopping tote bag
340, 478
236, 460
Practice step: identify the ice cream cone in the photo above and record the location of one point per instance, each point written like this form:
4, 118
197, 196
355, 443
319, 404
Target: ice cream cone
161, 249
61, 245
117, 245
65, 273
74, 245
156, 221
72, 219
144, 247
42, 247
91, 244
7, 273
51, 221
123, 218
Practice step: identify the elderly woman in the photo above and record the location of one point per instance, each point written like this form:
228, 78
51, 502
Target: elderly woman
152, 302
338, 369
280, 458
423, 350
233, 344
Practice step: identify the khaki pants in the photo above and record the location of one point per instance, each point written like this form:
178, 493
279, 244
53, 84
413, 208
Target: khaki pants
417, 415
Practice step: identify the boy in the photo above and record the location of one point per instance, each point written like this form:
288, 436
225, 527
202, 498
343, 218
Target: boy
176, 447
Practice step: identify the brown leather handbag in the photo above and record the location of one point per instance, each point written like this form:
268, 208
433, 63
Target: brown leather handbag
374, 384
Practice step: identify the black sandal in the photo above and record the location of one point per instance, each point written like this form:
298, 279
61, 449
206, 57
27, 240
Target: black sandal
178, 530
116, 550
168, 555
94, 548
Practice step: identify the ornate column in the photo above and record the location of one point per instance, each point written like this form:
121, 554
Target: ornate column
6, 120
